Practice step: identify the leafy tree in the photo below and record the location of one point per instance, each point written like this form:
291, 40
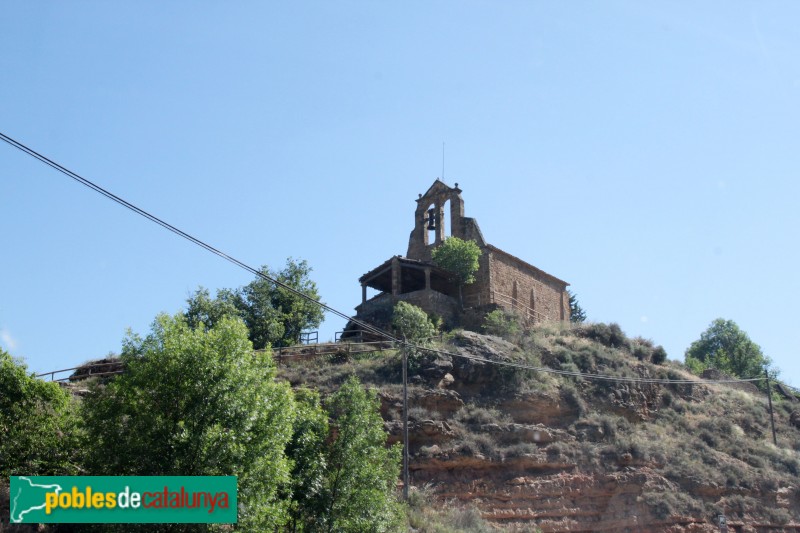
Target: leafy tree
412, 323
460, 258
274, 315
307, 451
359, 487
576, 313
37, 424
727, 348
342, 480
202, 309
268, 308
197, 402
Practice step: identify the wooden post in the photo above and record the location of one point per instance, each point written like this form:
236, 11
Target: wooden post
771, 415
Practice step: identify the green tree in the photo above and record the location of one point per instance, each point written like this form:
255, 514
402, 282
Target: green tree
359, 488
202, 309
576, 313
197, 402
460, 258
37, 424
307, 451
412, 323
274, 316
727, 348
266, 304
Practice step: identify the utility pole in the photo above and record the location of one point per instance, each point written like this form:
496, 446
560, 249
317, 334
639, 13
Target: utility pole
771, 415
405, 420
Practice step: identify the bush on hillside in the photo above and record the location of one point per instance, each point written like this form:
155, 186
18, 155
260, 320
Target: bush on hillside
501, 324
659, 355
610, 335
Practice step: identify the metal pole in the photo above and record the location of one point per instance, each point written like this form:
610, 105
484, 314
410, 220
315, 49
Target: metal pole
405, 422
771, 415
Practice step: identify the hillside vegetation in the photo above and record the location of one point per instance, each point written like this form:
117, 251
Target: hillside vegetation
556, 428
526, 449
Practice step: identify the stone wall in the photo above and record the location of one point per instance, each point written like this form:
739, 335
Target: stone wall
378, 310
516, 285
478, 294
434, 302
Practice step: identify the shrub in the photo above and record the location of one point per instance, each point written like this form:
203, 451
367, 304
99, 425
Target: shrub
666, 398
707, 437
474, 444
501, 323
573, 397
739, 505
475, 415
660, 507
559, 448
659, 355
641, 348
665, 504
426, 515
469, 519
777, 515
417, 412
641, 352
520, 449
610, 335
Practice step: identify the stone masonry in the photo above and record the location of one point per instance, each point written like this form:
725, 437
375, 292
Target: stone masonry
503, 281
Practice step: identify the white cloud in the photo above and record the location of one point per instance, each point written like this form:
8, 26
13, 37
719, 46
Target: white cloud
9, 341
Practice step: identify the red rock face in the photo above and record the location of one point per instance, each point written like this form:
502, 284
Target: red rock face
550, 460
565, 454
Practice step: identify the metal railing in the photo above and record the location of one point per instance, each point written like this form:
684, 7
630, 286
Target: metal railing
309, 337
299, 352
90, 368
309, 347
357, 335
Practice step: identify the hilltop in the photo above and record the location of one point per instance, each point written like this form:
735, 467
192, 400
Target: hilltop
530, 449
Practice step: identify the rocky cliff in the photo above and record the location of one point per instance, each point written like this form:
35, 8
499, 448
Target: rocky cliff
532, 449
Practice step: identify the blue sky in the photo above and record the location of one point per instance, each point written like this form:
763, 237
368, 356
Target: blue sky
645, 152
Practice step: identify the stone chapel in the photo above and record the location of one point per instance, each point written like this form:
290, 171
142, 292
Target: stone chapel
503, 281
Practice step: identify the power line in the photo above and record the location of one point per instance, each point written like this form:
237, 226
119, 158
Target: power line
366, 326
181, 233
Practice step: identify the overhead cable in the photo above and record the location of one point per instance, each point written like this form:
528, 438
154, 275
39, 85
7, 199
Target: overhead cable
360, 323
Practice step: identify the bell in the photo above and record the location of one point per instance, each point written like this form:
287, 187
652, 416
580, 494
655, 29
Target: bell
431, 218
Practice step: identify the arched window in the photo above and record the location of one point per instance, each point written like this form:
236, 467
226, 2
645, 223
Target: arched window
514, 295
